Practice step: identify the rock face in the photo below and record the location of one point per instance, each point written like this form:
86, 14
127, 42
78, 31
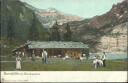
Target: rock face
118, 14
111, 27
116, 40
116, 26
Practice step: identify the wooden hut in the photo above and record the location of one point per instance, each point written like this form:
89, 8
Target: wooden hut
54, 48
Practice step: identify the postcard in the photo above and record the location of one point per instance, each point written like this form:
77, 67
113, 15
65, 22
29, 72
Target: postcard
64, 40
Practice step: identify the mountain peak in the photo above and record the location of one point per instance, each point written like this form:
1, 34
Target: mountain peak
48, 16
118, 14
52, 10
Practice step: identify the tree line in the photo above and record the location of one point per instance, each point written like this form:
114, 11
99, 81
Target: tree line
33, 33
57, 35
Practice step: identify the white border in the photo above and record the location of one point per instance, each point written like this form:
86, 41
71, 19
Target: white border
65, 76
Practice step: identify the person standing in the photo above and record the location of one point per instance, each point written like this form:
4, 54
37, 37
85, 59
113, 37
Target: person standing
87, 54
23, 54
42, 56
33, 55
95, 61
18, 63
45, 56
104, 59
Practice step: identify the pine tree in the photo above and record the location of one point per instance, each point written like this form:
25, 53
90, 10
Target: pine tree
10, 29
68, 34
55, 35
33, 31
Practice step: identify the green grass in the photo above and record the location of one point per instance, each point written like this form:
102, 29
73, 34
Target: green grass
68, 65
54, 64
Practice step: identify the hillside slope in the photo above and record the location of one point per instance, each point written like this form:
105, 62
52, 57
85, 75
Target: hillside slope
91, 31
16, 15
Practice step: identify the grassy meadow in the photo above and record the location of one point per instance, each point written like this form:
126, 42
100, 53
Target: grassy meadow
65, 65
54, 64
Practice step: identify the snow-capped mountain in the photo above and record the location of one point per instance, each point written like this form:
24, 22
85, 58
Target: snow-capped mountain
49, 16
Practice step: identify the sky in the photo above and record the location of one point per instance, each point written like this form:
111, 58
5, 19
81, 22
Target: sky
82, 8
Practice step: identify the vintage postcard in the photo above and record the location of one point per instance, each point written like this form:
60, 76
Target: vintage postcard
43, 40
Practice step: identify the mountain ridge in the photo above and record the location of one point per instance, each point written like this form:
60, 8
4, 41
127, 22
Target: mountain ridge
50, 15
18, 18
91, 31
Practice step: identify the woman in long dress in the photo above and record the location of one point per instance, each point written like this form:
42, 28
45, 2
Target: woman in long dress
18, 63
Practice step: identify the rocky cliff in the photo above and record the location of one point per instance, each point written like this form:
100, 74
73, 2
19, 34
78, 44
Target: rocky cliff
95, 31
116, 40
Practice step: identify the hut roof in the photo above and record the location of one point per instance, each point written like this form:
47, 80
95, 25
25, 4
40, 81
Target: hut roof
19, 47
56, 44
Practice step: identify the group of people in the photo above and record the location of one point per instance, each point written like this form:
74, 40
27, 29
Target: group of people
100, 60
44, 56
18, 58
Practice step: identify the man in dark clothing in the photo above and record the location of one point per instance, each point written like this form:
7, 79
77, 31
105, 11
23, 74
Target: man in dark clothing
104, 59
